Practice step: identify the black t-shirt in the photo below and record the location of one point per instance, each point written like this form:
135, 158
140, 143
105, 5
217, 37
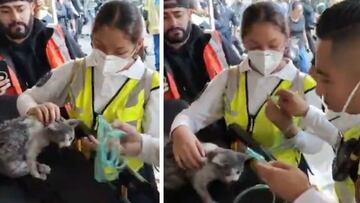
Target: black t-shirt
297, 30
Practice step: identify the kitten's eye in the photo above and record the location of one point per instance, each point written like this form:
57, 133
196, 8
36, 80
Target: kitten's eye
238, 172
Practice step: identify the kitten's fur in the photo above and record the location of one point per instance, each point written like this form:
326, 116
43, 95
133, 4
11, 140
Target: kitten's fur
221, 164
22, 139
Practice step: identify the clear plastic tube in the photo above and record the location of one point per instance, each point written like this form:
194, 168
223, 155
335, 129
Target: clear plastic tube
253, 188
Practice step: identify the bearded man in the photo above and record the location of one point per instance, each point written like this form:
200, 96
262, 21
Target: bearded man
28, 50
191, 57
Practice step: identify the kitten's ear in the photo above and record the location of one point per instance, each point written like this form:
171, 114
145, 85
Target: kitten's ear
243, 157
219, 159
73, 122
54, 126
211, 155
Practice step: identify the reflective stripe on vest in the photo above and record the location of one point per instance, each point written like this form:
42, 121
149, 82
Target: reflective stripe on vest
56, 48
262, 129
127, 105
214, 56
173, 92
345, 190
56, 52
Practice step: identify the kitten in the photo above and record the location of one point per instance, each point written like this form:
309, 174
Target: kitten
220, 164
22, 139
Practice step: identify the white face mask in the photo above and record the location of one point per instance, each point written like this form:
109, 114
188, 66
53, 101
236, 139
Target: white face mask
324, 103
110, 64
265, 61
343, 112
351, 96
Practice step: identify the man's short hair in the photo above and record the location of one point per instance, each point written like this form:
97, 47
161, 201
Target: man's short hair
340, 23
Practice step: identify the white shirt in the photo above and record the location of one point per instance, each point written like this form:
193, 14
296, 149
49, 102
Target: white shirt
210, 106
329, 132
313, 196
327, 125
105, 87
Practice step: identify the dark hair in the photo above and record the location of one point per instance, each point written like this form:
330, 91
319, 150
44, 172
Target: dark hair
340, 23
123, 15
264, 12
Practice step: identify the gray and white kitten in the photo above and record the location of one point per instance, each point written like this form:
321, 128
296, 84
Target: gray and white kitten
221, 164
22, 139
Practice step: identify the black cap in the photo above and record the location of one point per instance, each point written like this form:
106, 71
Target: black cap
176, 4
7, 1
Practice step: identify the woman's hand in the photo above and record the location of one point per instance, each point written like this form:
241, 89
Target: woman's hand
45, 113
131, 143
187, 149
90, 142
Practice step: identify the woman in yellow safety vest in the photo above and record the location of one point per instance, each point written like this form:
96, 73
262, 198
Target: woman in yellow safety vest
240, 94
112, 81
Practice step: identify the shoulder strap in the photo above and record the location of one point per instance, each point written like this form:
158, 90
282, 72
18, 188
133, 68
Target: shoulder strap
232, 82
78, 64
148, 80
76, 69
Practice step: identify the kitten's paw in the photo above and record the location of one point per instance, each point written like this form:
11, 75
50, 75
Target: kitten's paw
209, 201
38, 175
42, 176
43, 168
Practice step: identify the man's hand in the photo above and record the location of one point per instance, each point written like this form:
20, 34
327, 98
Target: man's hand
281, 119
4, 85
188, 150
287, 181
292, 103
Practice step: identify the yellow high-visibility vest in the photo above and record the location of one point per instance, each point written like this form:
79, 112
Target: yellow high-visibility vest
345, 190
262, 129
127, 105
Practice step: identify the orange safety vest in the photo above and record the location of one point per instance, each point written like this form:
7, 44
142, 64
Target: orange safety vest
215, 62
57, 54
